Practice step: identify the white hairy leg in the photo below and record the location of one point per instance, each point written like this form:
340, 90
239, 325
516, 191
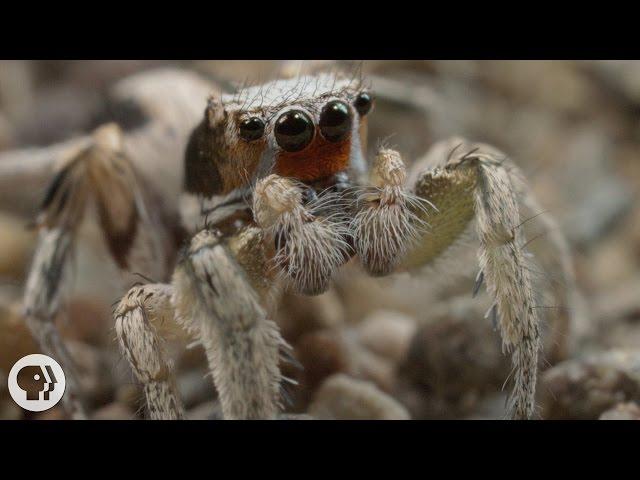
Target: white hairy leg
139, 311
479, 184
507, 273
136, 238
219, 293
43, 294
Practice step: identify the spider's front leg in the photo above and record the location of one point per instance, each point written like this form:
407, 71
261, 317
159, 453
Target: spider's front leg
483, 185
221, 289
219, 293
136, 315
453, 192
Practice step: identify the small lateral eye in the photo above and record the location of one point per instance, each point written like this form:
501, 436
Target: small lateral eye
251, 129
363, 103
335, 121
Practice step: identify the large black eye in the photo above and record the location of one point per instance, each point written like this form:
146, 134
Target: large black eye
294, 130
251, 129
335, 121
363, 103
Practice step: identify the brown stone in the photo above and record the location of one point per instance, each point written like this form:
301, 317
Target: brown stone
344, 398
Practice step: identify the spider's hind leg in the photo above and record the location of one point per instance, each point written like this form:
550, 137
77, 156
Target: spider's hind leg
42, 300
136, 236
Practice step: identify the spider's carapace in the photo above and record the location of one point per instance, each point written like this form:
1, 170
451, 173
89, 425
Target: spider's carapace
309, 129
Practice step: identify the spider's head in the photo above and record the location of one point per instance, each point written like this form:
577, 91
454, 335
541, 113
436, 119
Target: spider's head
309, 129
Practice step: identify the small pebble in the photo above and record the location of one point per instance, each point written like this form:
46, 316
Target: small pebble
344, 398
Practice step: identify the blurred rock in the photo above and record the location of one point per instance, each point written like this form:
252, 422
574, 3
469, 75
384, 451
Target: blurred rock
234, 72
490, 407
295, 416
195, 387
16, 246
366, 365
89, 74
362, 295
15, 338
321, 354
86, 320
616, 312
63, 111
387, 333
344, 398
9, 410
452, 362
55, 413
17, 96
408, 112
622, 77
6, 133
190, 356
610, 262
298, 314
210, 410
622, 411
592, 211
114, 411
326, 352
585, 387
556, 85
94, 369
129, 395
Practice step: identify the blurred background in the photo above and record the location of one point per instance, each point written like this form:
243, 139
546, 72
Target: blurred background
392, 348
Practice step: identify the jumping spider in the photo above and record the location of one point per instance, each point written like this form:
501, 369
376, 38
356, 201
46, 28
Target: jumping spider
285, 197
